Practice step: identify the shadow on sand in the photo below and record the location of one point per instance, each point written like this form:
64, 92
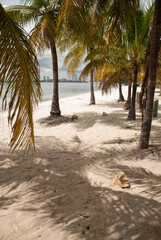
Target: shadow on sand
62, 187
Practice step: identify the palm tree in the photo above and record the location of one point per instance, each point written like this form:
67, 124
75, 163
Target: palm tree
138, 39
85, 20
84, 33
74, 59
43, 35
111, 66
114, 64
153, 60
19, 74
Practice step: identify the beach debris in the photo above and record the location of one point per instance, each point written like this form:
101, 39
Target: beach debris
74, 117
121, 180
84, 215
127, 105
104, 114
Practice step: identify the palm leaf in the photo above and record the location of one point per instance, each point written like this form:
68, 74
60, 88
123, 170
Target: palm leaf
19, 74
111, 79
23, 14
43, 33
74, 58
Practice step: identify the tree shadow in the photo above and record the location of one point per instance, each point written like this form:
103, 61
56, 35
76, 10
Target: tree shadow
67, 188
112, 104
76, 192
116, 118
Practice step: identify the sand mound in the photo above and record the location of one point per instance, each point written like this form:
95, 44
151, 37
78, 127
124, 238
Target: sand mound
54, 120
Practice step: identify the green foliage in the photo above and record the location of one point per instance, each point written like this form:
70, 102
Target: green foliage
112, 62
44, 14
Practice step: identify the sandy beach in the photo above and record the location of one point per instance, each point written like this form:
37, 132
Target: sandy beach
65, 190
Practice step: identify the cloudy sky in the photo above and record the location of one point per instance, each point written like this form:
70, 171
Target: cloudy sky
45, 60
9, 2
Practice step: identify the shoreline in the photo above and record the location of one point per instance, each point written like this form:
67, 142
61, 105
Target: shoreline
113, 96
44, 103
109, 96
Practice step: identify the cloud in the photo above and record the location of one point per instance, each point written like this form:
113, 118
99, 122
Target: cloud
10, 2
46, 66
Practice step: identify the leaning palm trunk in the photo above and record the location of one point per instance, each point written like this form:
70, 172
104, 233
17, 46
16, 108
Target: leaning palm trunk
121, 97
55, 110
131, 115
153, 60
92, 98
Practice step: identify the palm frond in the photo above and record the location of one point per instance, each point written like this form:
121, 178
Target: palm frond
23, 14
111, 79
87, 69
122, 11
43, 33
74, 58
146, 26
37, 3
97, 52
19, 74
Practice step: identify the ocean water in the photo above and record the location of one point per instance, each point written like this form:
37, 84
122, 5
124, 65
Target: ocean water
66, 89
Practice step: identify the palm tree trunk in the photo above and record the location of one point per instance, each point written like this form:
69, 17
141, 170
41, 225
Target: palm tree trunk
129, 93
92, 98
121, 97
153, 60
131, 114
55, 110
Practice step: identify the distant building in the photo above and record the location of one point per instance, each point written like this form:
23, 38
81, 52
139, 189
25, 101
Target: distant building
75, 77
83, 79
62, 80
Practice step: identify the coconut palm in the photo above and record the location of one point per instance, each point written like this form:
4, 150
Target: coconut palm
109, 66
114, 64
85, 21
43, 35
19, 75
138, 42
152, 66
74, 59
84, 33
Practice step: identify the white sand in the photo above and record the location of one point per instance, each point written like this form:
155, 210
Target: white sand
65, 191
